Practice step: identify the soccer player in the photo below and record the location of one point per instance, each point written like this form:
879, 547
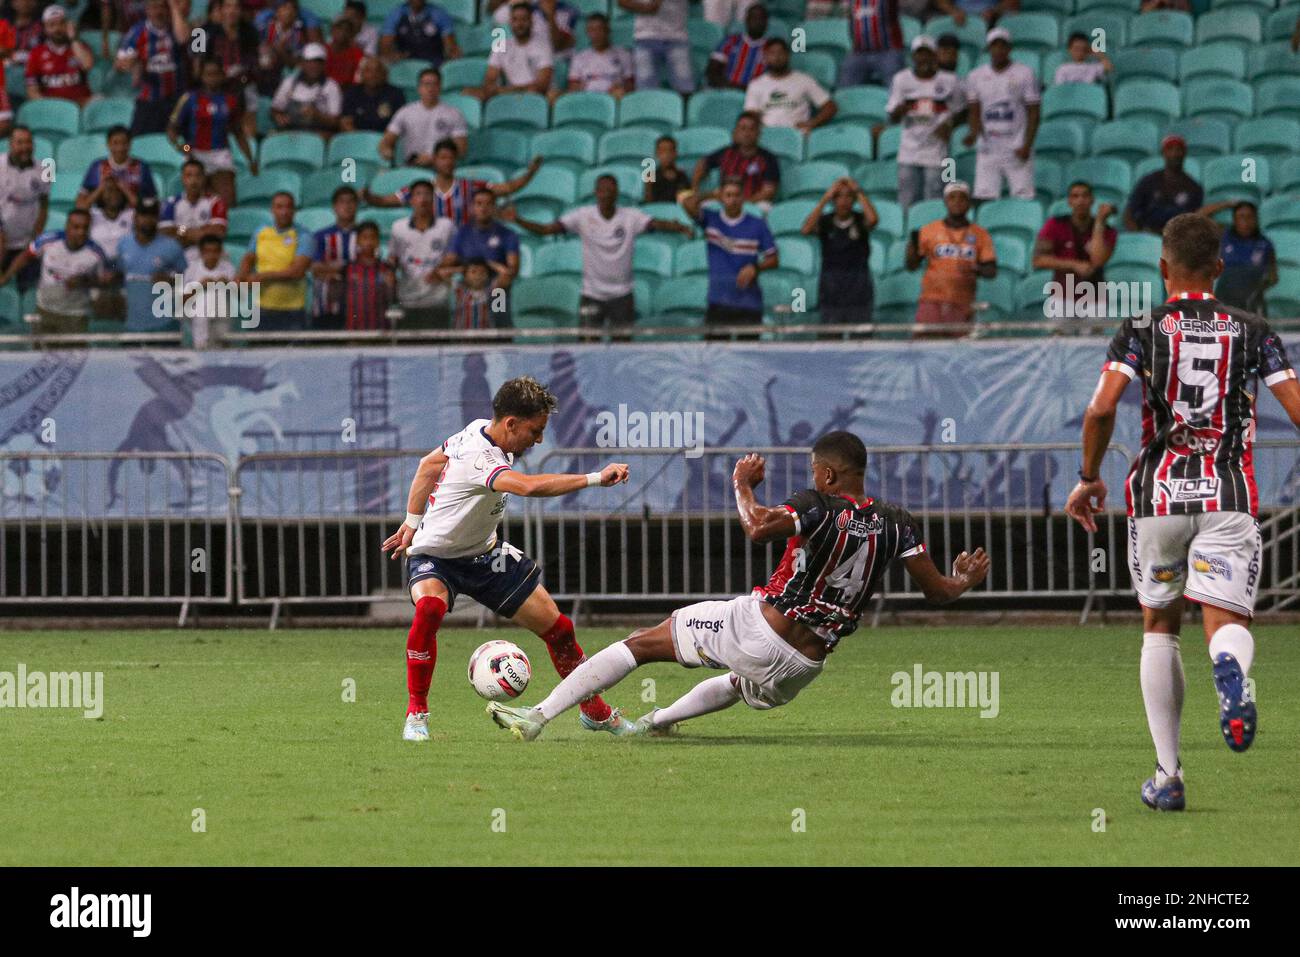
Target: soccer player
1191, 490
774, 642
452, 547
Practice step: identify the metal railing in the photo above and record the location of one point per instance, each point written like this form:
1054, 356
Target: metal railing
304, 528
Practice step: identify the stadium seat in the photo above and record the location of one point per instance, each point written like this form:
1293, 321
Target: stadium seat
300, 152
550, 192
1205, 136
1218, 99
517, 111
1286, 242
76, 153
1114, 25
1276, 95
1059, 140
1284, 298
1135, 249
242, 222
1029, 296
467, 71
828, 36
998, 296
860, 104
671, 212
1233, 26
1287, 178
845, 144
887, 144
710, 108
630, 184
1051, 61
469, 107
811, 179
405, 74
1191, 166
1033, 31
786, 218
821, 66
922, 212
1279, 25
1151, 63
559, 258
484, 171
103, 113
705, 34
660, 110
896, 298
553, 298
1012, 254
799, 254
1162, 28
971, 34
1109, 176
318, 187
1275, 137
1073, 101
1236, 177
878, 179
357, 145
785, 142
891, 219
1049, 180
631, 144
652, 258
1151, 100
1125, 139
1030, 58
682, 297
1146, 276
691, 258
56, 119
391, 180
1253, 5
64, 189
895, 258
593, 112
314, 218
1224, 61
571, 148
259, 189
506, 147
695, 142
1018, 217
1059, 7
1272, 58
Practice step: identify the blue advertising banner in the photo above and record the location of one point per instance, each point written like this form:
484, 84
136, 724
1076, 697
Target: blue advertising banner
238, 403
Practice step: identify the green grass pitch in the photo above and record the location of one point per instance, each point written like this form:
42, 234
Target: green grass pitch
251, 727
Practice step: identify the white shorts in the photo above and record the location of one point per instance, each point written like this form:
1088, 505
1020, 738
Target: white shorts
215, 161
734, 635
1212, 558
992, 166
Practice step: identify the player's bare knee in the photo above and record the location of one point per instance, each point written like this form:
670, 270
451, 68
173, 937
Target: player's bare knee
651, 644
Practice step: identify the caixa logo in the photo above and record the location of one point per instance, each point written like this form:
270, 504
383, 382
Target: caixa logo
1187, 441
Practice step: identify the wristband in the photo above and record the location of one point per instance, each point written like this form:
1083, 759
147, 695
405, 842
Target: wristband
593, 478
1086, 478
413, 519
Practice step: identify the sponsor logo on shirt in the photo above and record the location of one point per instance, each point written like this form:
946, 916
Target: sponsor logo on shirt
1167, 573
1170, 325
1187, 490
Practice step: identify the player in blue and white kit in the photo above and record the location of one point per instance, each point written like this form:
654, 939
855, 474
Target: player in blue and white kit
452, 547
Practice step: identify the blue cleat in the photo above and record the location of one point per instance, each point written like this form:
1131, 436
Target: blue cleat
615, 724
1237, 717
1170, 796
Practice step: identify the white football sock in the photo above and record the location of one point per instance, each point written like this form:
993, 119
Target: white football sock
1236, 641
712, 694
1162, 693
602, 670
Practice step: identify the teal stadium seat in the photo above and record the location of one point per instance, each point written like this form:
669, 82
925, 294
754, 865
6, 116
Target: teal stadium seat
242, 222
1152, 100
713, 108
467, 71
1235, 26
56, 119
694, 142
390, 181
1236, 177
1135, 249
820, 65
811, 179
891, 219
76, 153
887, 143
691, 259
798, 254
358, 145
660, 110
999, 297
593, 112
828, 36
63, 191
1269, 60
295, 151
318, 187
860, 104
1284, 298
652, 258
405, 74
971, 33
922, 212
1033, 31
517, 111
1059, 140
843, 143
100, 115
1150, 63
896, 298
572, 148
260, 188
1029, 296
1205, 136
1281, 210
785, 142
1287, 179
1277, 95
506, 147
630, 144
628, 177
1279, 25
550, 192
1114, 25
552, 298
1049, 180
469, 107
314, 218
1223, 61
1018, 217
1125, 139
682, 298
1012, 254
1287, 244
326, 10
1060, 8
1110, 177
475, 40
484, 171
1162, 28
878, 180
1075, 101
1219, 99
787, 218
1258, 6
562, 257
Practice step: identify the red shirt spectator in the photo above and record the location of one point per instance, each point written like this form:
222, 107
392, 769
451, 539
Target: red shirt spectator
342, 56
1068, 240
59, 66
370, 289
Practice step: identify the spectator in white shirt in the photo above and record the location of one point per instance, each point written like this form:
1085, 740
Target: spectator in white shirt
787, 97
662, 43
925, 100
601, 68
608, 233
523, 65
726, 12
308, 99
1003, 116
1085, 65
425, 123
205, 281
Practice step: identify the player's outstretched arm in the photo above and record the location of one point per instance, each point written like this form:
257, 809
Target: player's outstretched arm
426, 480
761, 524
549, 486
968, 570
1089, 496
1287, 393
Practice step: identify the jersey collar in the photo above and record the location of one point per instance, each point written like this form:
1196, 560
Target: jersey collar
1189, 295
483, 429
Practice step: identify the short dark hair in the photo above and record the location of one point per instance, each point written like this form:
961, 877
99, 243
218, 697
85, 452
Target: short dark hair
426, 72
775, 42
666, 137
844, 449
192, 162
949, 40
342, 191
1191, 243
446, 143
754, 115
1079, 182
284, 192
481, 190
77, 211
114, 130
476, 261
210, 239
524, 397
521, 3
1077, 35
417, 184
598, 16
731, 181
358, 6
369, 226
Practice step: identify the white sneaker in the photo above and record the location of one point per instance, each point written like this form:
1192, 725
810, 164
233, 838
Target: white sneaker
417, 727
524, 723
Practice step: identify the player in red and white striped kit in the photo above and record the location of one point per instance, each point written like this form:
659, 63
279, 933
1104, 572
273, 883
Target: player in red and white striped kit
1191, 492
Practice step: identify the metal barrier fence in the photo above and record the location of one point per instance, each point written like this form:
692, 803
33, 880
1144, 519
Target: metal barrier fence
304, 528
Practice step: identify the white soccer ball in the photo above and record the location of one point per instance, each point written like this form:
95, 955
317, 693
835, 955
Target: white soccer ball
499, 670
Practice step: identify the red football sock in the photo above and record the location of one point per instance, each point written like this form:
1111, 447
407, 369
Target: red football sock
422, 651
566, 655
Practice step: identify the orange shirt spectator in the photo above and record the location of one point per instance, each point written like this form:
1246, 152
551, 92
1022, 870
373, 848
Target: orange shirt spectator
957, 253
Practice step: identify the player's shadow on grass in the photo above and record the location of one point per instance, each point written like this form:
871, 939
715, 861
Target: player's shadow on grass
857, 739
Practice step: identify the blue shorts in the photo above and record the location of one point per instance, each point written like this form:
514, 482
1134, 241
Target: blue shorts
501, 579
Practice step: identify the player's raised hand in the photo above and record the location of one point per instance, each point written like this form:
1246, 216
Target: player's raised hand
613, 474
749, 470
399, 541
971, 567
1085, 501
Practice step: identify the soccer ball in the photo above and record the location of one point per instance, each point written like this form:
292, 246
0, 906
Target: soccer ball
499, 670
